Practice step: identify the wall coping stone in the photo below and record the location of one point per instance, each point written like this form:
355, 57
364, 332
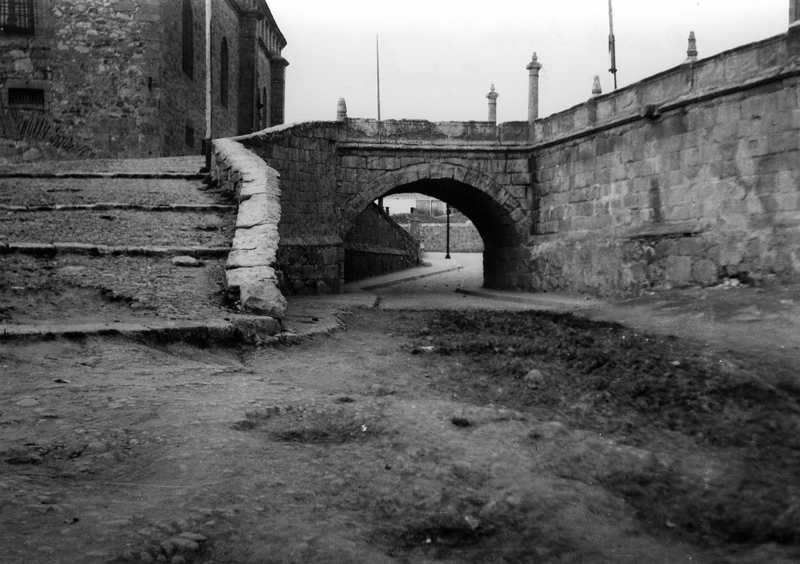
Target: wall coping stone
322, 241
249, 272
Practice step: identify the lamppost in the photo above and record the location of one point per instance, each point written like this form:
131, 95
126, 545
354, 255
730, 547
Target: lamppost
447, 255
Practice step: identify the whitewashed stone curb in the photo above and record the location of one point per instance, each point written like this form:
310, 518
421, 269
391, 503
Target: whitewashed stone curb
249, 271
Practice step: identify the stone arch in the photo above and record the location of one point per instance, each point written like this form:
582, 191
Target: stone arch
496, 213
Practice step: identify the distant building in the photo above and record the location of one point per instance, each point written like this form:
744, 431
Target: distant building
397, 204
127, 78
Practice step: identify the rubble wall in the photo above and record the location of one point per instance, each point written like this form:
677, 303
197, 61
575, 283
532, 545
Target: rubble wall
464, 237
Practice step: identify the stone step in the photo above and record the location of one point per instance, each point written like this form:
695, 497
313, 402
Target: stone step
118, 206
114, 288
107, 175
18, 191
50, 249
120, 227
189, 165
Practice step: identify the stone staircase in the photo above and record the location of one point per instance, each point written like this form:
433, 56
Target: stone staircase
99, 242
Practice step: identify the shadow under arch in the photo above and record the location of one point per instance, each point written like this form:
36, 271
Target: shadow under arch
497, 215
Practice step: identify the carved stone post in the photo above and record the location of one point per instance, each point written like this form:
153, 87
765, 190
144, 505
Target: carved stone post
691, 52
596, 88
492, 95
341, 110
793, 39
533, 92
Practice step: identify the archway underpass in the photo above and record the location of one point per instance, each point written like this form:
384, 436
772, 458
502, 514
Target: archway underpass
502, 235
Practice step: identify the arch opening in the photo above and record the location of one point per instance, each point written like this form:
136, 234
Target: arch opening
502, 232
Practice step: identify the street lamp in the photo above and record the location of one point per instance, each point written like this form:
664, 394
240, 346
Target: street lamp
447, 255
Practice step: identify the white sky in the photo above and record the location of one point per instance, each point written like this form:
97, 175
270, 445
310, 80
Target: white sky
438, 58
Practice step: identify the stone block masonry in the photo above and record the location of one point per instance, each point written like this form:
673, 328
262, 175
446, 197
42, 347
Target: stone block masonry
127, 79
685, 178
464, 238
377, 245
250, 272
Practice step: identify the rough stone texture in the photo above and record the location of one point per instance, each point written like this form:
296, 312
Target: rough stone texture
705, 187
464, 237
377, 245
250, 272
114, 83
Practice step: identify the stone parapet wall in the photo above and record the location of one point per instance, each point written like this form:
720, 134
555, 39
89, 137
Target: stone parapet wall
686, 84
250, 273
422, 132
376, 245
701, 184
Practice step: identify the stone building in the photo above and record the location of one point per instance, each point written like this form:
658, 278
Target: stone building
127, 78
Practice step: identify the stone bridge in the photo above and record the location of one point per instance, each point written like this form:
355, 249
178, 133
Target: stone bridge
334, 171
689, 177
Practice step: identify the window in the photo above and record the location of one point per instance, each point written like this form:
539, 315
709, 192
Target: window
223, 73
188, 39
16, 17
26, 98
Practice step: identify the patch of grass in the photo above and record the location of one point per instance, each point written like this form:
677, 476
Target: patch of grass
750, 507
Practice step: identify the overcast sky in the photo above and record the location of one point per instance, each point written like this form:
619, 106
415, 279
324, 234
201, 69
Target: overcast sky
438, 58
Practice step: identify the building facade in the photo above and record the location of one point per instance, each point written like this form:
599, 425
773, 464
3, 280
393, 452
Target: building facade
127, 78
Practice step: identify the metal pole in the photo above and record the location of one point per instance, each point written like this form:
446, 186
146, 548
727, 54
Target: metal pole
447, 255
378, 60
612, 48
208, 85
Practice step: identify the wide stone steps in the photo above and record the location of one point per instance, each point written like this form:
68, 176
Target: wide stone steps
71, 191
82, 245
120, 227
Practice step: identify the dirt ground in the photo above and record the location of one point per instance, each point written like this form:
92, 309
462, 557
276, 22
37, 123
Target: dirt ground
412, 436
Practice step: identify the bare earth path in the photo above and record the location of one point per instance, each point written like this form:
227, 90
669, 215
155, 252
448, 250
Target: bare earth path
347, 448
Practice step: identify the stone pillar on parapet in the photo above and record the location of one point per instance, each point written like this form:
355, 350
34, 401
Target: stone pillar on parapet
492, 95
341, 110
533, 93
793, 40
596, 88
691, 52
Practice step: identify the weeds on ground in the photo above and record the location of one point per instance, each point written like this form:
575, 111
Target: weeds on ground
632, 386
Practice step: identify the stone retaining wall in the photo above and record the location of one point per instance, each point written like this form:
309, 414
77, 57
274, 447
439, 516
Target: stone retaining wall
250, 271
377, 245
685, 178
464, 237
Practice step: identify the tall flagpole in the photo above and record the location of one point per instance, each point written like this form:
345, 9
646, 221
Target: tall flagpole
612, 50
378, 60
